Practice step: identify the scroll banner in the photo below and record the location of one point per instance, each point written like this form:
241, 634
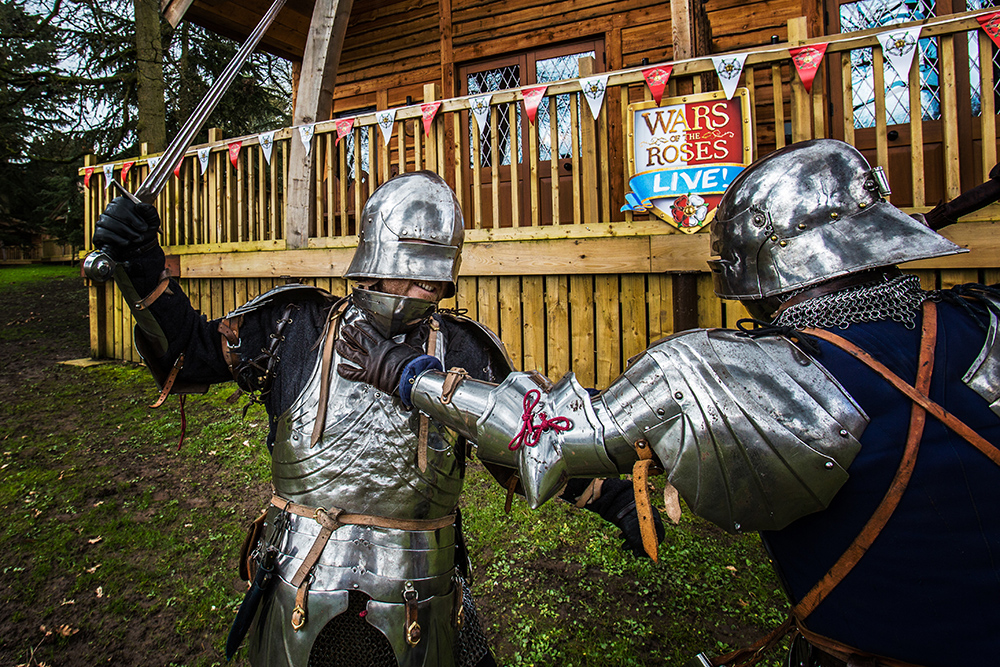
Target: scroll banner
427, 113
656, 78
306, 136
898, 47
234, 154
203, 154
87, 173
267, 145
532, 98
109, 175
125, 169
729, 69
807, 60
593, 88
480, 106
991, 25
684, 153
386, 121
344, 127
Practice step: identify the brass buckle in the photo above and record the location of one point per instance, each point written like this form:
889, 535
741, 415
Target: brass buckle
298, 618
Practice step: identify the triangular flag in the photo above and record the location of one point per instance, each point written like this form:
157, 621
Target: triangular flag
267, 144
234, 154
203, 154
87, 173
344, 127
898, 47
125, 170
656, 78
109, 175
991, 24
177, 169
386, 120
427, 113
807, 60
480, 106
151, 162
306, 135
593, 88
532, 98
729, 68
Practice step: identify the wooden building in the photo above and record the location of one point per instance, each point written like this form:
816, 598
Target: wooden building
551, 262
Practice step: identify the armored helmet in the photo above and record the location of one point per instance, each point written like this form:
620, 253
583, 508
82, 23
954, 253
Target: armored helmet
807, 213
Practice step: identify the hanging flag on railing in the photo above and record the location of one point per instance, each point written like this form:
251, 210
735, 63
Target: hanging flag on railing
729, 68
344, 127
203, 154
151, 162
532, 98
807, 60
480, 106
266, 140
427, 113
386, 121
234, 154
109, 175
898, 47
87, 173
656, 78
593, 88
125, 170
991, 25
177, 169
306, 136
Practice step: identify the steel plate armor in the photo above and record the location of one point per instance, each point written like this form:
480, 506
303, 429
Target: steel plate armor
753, 433
363, 466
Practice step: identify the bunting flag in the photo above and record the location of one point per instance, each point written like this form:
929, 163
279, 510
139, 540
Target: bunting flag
480, 106
593, 88
87, 173
125, 169
386, 121
109, 175
991, 24
306, 136
267, 144
151, 162
203, 154
427, 113
807, 60
177, 169
729, 68
344, 127
234, 154
898, 47
532, 98
656, 78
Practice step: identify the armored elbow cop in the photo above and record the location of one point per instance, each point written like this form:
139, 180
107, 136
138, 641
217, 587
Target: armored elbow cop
753, 433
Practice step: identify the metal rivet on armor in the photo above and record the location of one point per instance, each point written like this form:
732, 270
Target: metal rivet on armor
678, 395
862, 204
782, 243
774, 237
802, 225
834, 215
829, 465
736, 526
378, 395
640, 444
661, 412
843, 432
355, 585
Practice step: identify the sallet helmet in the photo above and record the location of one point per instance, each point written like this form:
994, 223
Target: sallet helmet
807, 213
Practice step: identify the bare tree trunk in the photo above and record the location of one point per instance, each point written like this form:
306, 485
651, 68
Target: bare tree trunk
151, 127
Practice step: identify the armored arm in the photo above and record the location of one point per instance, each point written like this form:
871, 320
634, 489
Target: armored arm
752, 432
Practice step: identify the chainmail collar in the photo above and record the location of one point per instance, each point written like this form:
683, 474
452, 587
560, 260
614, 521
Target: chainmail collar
897, 299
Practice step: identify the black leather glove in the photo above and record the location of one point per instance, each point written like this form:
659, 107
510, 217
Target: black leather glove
376, 360
617, 505
127, 229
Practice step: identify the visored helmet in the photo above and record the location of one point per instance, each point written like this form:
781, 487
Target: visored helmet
411, 228
807, 213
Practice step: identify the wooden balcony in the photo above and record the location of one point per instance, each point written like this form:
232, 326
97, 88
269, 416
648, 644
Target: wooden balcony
551, 263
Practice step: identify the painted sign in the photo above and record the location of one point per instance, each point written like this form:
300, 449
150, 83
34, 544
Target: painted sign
684, 152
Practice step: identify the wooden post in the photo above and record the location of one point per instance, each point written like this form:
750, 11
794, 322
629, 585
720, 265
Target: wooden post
432, 92
313, 102
801, 106
588, 154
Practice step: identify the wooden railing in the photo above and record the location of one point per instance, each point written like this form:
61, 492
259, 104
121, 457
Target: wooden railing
568, 280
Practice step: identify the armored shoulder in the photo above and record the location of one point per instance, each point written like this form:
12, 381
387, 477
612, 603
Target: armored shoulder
753, 432
475, 348
283, 294
983, 376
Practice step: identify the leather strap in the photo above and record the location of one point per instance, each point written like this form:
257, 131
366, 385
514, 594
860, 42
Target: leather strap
169, 383
163, 286
592, 492
324, 386
452, 379
641, 471
885, 509
849, 654
229, 330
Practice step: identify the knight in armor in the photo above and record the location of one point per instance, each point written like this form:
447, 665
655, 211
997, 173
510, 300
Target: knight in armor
358, 560
854, 421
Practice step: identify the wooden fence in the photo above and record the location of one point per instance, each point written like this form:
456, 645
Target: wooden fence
568, 280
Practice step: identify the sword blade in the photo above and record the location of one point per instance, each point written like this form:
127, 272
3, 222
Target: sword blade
158, 175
